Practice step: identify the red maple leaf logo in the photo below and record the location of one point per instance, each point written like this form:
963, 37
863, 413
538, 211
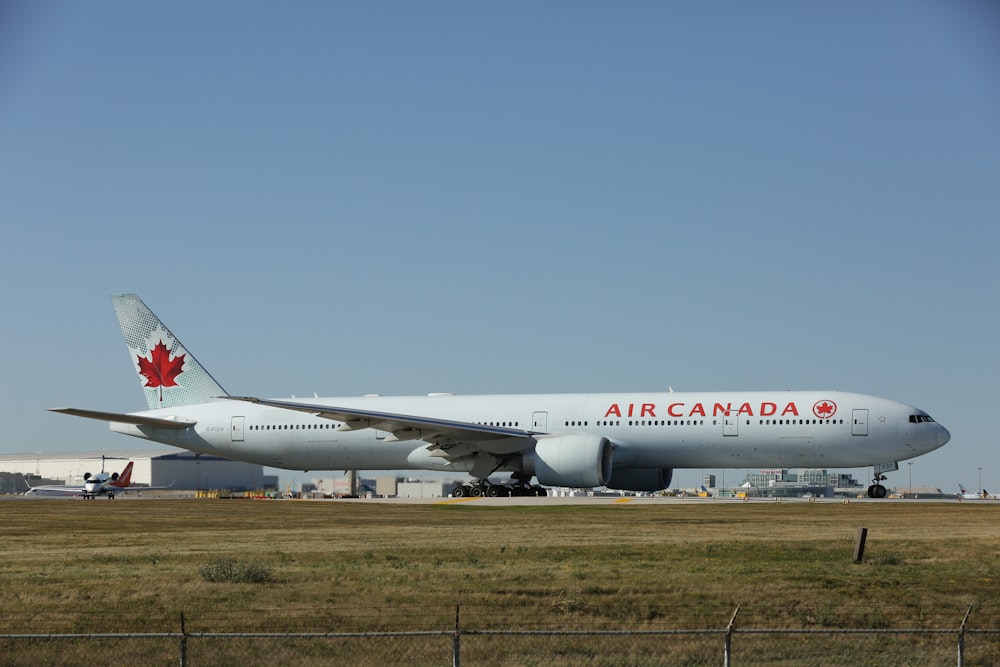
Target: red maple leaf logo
824, 409
161, 370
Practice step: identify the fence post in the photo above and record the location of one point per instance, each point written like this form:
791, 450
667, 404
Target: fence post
859, 545
728, 655
184, 643
961, 638
456, 642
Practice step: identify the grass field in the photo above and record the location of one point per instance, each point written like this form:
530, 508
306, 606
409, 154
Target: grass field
136, 565
686, 565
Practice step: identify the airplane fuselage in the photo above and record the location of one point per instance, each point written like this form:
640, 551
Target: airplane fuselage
800, 429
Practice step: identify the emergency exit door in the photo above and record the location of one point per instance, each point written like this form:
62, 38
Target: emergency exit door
859, 423
731, 424
237, 429
539, 422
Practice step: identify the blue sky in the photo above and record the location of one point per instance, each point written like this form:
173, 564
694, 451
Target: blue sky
401, 198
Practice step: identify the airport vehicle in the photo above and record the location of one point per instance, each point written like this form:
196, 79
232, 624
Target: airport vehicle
624, 441
94, 484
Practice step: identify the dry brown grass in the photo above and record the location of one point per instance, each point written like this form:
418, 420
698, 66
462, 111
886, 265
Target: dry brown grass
134, 565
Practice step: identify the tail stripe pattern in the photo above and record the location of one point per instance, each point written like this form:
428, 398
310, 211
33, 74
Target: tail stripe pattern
169, 375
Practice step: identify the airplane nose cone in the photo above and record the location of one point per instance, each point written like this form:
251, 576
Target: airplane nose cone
943, 436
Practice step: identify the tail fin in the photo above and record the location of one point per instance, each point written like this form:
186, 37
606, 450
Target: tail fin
124, 479
170, 376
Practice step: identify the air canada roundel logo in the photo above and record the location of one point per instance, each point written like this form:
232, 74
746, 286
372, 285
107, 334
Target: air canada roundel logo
825, 409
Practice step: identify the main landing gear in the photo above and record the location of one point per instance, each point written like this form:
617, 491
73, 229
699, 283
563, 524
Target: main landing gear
876, 490
484, 487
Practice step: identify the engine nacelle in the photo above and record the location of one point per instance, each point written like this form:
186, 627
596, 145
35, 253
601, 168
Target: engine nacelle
640, 479
114, 477
86, 476
576, 460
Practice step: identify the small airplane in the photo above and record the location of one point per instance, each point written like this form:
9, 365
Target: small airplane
984, 495
622, 441
95, 484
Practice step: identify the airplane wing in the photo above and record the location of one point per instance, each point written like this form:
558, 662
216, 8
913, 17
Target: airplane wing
141, 420
134, 489
56, 489
452, 440
404, 427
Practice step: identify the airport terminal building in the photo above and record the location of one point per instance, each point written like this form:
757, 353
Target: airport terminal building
150, 467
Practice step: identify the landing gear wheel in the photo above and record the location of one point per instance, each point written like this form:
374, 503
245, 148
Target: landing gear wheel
876, 490
459, 492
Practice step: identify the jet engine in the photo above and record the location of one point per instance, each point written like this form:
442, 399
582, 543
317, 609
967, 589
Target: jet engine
114, 477
86, 476
575, 460
640, 479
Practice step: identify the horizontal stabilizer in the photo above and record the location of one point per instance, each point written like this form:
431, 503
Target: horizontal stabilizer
122, 418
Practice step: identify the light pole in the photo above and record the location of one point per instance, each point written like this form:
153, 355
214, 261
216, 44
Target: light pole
909, 491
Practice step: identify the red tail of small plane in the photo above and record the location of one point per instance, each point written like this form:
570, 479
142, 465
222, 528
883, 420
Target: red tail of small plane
125, 479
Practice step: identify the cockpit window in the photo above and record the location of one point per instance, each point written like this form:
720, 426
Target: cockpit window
920, 419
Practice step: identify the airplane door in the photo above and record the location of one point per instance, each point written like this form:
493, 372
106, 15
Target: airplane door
540, 421
860, 423
237, 429
731, 424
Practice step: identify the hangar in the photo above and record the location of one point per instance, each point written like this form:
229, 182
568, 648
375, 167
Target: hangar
152, 467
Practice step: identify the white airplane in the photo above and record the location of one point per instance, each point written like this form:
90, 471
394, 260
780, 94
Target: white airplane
624, 441
984, 495
96, 484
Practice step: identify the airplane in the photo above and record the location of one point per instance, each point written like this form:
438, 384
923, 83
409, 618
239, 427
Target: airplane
99, 484
622, 441
984, 495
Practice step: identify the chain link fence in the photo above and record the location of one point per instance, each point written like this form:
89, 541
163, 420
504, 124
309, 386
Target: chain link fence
477, 648
748, 647
478, 645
